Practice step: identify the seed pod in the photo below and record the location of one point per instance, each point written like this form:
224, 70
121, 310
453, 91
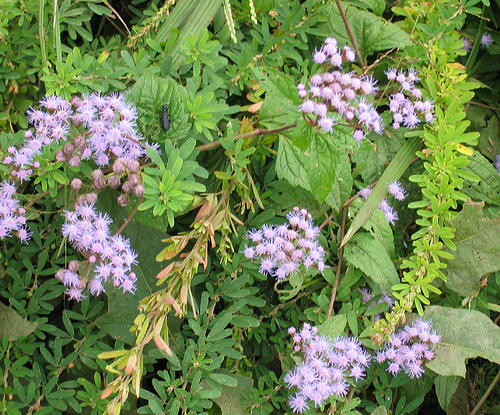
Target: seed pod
139, 190
68, 149
76, 184
91, 197
74, 160
133, 180
59, 156
118, 167
123, 200
127, 187
80, 142
133, 165
114, 181
74, 265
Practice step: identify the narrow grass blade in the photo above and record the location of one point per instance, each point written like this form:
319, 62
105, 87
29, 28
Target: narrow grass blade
394, 171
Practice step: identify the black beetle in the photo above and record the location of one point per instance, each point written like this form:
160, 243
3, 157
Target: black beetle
165, 119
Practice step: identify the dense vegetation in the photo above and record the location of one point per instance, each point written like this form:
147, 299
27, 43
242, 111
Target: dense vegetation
257, 207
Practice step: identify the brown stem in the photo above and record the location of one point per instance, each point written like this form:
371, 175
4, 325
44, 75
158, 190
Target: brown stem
339, 265
41, 196
486, 394
351, 36
254, 133
129, 219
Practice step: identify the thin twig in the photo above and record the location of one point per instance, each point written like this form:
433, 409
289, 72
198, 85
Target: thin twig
131, 216
339, 265
486, 394
253, 133
351, 36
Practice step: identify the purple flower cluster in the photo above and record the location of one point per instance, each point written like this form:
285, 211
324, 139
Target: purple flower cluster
325, 368
283, 249
396, 190
335, 96
409, 349
105, 125
12, 216
88, 231
406, 105
367, 296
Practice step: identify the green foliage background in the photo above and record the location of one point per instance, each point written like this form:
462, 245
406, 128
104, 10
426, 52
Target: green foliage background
238, 155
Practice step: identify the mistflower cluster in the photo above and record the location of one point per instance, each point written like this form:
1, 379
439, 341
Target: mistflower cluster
335, 96
12, 216
326, 367
281, 250
409, 349
395, 189
88, 231
367, 296
497, 163
406, 105
105, 125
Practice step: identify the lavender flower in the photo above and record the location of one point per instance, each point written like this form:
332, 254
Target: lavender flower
283, 249
88, 231
409, 349
467, 46
486, 40
406, 105
397, 190
12, 216
325, 368
335, 96
497, 163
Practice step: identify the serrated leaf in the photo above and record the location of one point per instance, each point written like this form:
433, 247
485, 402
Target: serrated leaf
372, 33
149, 94
478, 247
466, 334
368, 254
13, 325
322, 168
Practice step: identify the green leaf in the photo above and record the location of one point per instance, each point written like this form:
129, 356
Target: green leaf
230, 399
223, 379
149, 94
322, 168
466, 334
488, 189
14, 326
368, 254
372, 33
445, 389
478, 248
333, 327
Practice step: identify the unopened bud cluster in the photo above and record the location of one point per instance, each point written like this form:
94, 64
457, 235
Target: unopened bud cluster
334, 96
282, 250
